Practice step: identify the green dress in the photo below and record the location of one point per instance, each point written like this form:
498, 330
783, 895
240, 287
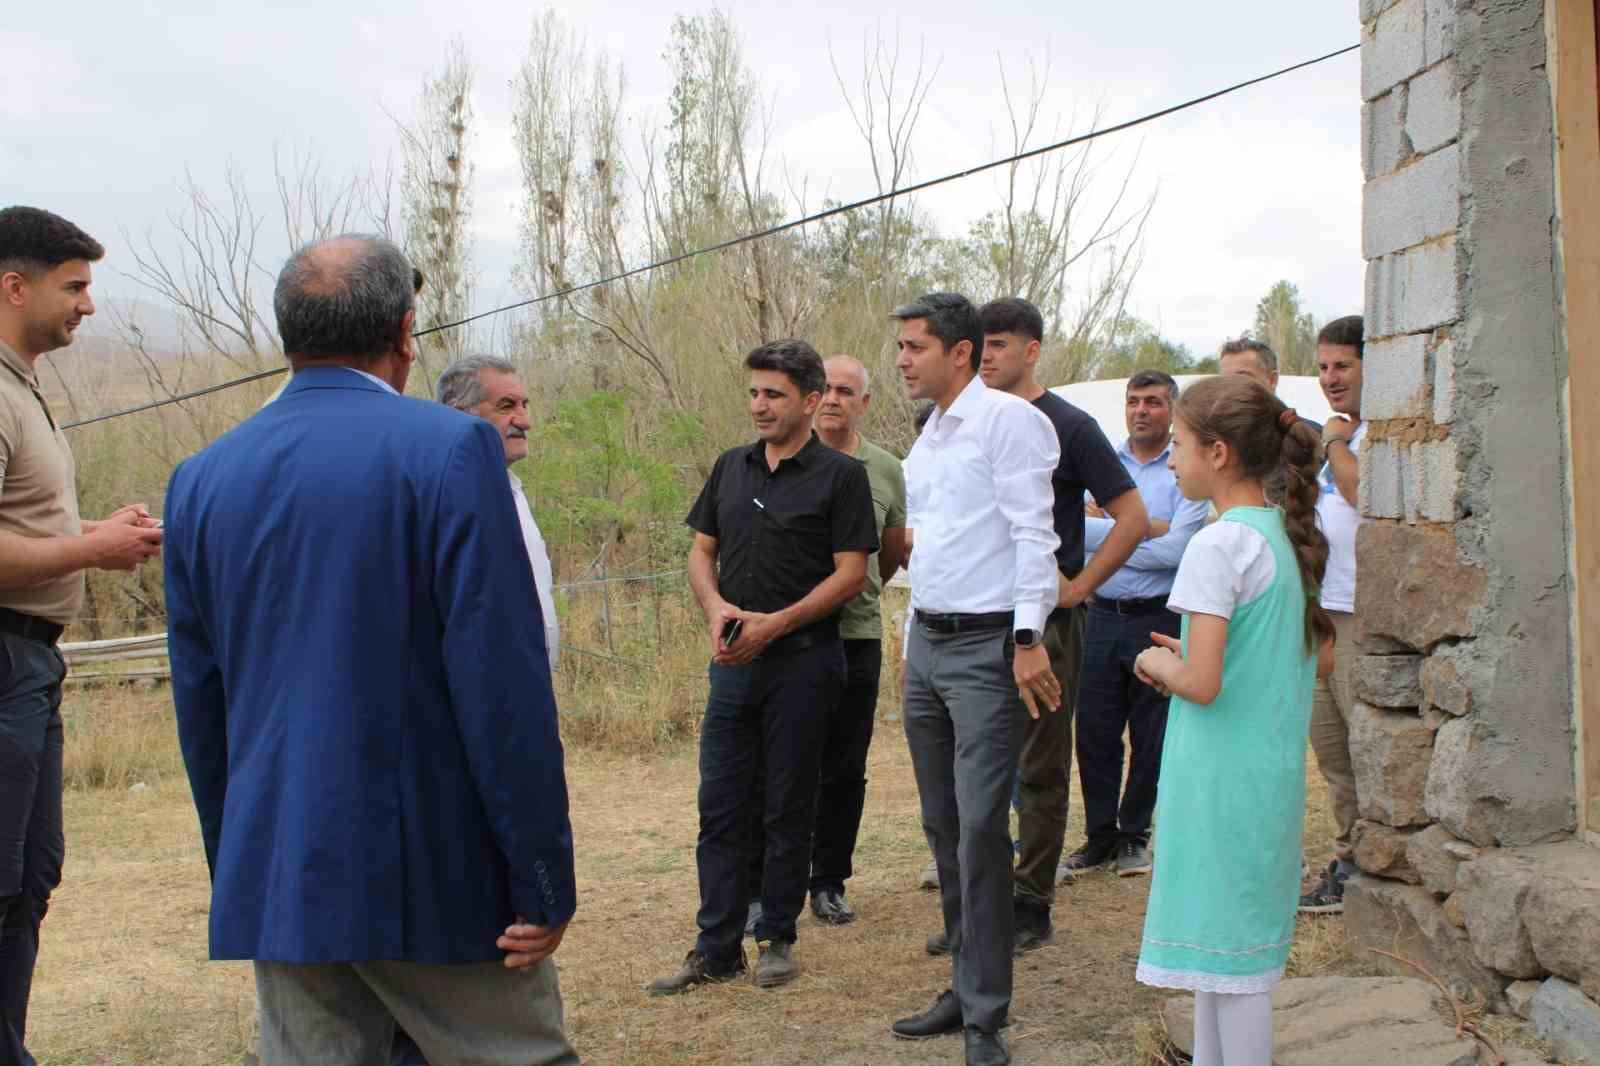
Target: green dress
1232, 800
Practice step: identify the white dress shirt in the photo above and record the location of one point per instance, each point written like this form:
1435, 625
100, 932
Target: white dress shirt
978, 498
543, 575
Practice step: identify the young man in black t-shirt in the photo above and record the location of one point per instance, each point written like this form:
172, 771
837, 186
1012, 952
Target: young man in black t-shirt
1013, 331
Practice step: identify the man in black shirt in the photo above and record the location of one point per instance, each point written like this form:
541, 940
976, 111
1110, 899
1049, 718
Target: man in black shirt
783, 528
1013, 330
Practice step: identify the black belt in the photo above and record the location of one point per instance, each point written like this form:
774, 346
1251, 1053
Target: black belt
801, 639
1148, 605
963, 623
29, 626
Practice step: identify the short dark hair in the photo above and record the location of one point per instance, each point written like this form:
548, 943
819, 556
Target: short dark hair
1150, 379
950, 317
1346, 331
1263, 351
1012, 314
34, 241
351, 309
795, 360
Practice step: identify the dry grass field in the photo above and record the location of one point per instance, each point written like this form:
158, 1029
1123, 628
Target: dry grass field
124, 979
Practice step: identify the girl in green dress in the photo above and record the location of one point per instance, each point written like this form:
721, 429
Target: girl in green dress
1233, 776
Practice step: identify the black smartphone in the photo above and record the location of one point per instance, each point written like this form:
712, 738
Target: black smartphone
731, 629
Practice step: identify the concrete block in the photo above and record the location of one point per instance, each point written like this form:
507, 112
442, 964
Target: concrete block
1383, 133
1370, 9
1568, 1019
1414, 586
1393, 47
1435, 855
1381, 489
1450, 795
1406, 920
1435, 477
1562, 911
1388, 680
1433, 108
1492, 890
1394, 378
1414, 290
1444, 382
1381, 851
1439, 30
1390, 752
1416, 203
1519, 996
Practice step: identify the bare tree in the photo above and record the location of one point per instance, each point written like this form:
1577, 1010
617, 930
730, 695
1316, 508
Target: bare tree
436, 205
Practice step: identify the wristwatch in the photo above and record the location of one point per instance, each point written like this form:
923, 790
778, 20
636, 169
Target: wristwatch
1027, 638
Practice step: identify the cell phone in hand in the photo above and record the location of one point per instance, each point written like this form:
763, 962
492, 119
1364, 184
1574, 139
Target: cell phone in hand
731, 630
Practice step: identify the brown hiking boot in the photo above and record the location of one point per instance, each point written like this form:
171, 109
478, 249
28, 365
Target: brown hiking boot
696, 971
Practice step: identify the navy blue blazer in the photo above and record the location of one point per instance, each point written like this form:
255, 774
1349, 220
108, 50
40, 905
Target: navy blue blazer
362, 689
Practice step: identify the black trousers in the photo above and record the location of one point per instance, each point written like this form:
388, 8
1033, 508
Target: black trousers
771, 714
1112, 700
842, 782
32, 844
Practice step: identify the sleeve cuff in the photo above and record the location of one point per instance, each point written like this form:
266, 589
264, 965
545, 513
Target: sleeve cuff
1029, 616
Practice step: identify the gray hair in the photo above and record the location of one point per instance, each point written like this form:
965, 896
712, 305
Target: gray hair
1265, 357
344, 297
461, 387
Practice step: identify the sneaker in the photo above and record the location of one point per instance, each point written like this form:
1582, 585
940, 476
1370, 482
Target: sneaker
1065, 875
929, 878
752, 916
1032, 929
776, 964
1092, 854
1327, 896
696, 970
1133, 858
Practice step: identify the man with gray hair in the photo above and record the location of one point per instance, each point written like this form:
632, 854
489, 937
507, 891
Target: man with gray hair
491, 388
327, 621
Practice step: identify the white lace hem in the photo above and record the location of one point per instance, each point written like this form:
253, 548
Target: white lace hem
1195, 981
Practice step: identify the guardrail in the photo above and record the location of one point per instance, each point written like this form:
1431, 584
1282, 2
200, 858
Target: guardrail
102, 655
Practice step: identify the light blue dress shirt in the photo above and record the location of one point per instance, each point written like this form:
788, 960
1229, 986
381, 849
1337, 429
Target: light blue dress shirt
1151, 568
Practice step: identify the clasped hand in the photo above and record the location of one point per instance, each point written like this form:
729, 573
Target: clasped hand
756, 631
526, 944
1155, 664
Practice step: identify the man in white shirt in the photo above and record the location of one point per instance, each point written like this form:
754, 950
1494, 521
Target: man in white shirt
1339, 372
983, 584
491, 388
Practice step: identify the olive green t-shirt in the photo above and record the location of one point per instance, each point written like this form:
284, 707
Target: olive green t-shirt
859, 619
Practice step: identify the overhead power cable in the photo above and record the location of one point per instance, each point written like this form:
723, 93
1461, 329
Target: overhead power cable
783, 227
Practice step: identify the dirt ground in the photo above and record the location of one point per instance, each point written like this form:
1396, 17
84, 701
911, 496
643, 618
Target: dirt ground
124, 979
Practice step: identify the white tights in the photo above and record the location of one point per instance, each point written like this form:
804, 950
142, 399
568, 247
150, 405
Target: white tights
1232, 1030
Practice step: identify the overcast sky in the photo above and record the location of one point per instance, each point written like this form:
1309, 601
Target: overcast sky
105, 111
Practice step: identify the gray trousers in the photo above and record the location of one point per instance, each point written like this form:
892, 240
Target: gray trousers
344, 1014
964, 723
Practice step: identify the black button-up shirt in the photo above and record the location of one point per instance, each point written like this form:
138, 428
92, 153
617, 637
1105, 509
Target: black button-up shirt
777, 530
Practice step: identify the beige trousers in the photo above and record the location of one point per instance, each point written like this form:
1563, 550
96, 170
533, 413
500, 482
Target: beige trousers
1330, 732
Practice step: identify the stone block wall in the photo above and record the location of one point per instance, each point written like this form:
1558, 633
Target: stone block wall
1462, 740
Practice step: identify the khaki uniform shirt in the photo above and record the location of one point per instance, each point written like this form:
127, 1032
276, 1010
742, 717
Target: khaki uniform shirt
38, 486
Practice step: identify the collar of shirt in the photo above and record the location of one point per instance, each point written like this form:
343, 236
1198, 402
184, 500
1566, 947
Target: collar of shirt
374, 378
757, 453
969, 403
1125, 450
18, 365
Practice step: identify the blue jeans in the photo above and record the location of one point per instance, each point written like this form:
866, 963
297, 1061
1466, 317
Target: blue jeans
32, 845
1112, 700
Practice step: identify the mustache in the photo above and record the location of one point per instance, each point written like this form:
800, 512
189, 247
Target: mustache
516, 434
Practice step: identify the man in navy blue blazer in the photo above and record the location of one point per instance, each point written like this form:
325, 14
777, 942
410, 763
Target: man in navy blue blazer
364, 700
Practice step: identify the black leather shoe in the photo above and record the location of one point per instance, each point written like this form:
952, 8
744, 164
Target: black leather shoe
829, 907
986, 1049
943, 1017
1032, 927
938, 945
